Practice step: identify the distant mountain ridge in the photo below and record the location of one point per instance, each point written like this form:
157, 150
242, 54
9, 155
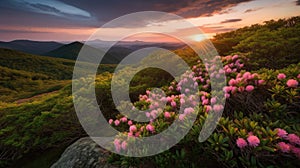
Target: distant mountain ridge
31, 47
72, 50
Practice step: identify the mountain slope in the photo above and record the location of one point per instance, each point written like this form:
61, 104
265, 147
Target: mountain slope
71, 51
32, 47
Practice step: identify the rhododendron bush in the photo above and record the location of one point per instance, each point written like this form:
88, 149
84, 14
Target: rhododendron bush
259, 126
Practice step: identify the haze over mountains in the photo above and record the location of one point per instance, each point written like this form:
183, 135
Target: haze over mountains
71, 50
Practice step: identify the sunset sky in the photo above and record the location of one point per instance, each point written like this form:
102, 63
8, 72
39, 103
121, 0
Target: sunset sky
70, 20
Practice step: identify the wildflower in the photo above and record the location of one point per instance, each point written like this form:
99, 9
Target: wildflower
241, 143
281, 133
249, 88
218, 108
117, 145
213, 100
132, 128
241, 88
296, 151
205, 101
294, 139
117, 122
182, 101
292, 83
253, 140
167, 114
188, 110
208, 108
281, 76
181, 117
150, 128
232, 82
173, 104
260, 82
235, 57
284, 147
227, 95
124, 145
124, 119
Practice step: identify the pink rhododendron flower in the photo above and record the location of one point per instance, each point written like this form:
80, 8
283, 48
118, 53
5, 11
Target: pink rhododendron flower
227, 95
129, 122
249, 88
150, 128
173, 104
233, 89
208, 108
241, 143
292, 83
213, 100
124, 145
235, 57
117, 122
232, 82
188, 110
117, 145
284, 147
281, 133
253, 140
218, 108
260, 82
296, 151
182, 101
205, 102
124, 119
281, 76
241, 88
110, 121
298, 76
132, 128
167, 114
293, 138
247, 75
181, 117
130, 134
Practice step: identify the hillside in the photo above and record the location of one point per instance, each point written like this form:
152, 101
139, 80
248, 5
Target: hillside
53, 68
24, 75
274, 44
31, 47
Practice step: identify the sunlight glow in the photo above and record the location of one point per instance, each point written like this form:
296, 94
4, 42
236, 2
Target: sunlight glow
198, 37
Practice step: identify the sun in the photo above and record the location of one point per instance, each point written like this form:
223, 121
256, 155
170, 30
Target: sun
198, 37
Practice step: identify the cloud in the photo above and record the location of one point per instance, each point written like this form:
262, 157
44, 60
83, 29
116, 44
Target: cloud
209, 29
230, 21
91, 13
107, 10
252, 10
21, 31
53, 7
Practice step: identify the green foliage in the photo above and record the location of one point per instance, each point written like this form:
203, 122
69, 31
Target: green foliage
274, 44
39, 125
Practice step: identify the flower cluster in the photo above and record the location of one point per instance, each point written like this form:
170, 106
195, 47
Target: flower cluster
183, 98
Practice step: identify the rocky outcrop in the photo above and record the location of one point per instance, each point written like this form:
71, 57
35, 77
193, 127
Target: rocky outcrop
84, 153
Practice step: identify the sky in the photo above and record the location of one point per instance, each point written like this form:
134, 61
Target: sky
75, 20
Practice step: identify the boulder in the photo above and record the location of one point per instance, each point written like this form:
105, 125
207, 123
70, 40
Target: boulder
84, 153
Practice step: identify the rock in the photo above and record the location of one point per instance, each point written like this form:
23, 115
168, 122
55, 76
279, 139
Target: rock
84, 153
